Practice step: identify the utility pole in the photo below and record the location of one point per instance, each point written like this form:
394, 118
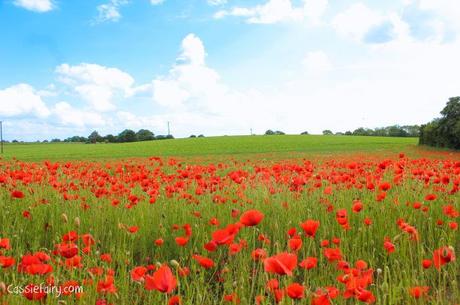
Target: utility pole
169, 132
1, 135
251, 131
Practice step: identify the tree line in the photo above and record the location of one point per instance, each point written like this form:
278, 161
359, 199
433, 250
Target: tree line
390, 131
444, 131
125, 136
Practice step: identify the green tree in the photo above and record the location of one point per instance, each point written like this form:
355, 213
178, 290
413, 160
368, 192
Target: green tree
327, 132
127, 135
110, 138
445, 131
396, 131
145, 135
94, 137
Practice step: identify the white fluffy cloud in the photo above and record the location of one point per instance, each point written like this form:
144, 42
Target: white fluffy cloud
110, 11
356, 21
156, 2
189, 81
217, 2
40, 6
97, 85
68, 115
22, 99
363, 24
274, 11
445, 8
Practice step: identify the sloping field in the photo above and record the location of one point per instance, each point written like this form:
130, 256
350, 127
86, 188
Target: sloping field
282, 146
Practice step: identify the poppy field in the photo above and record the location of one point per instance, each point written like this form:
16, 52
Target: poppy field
352, 228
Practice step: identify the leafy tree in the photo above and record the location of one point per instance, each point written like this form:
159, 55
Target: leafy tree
304, 133
269, 132
327, 132
127, 135
445, 131
396, 131
110, 138
412, 130
145, 135
94, 137
361, 132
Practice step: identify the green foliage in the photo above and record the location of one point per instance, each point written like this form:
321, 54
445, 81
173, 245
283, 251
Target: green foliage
274, 133
127, 135
390, 131
327, 132
444, 131
94, 137
145, 135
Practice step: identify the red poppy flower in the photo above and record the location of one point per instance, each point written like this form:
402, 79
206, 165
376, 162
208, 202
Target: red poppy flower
333, 254
426, 263
419, 291
282, 264
443, 256
295, 291
310, 227
309, 263
251, 218
162, 280
34, 292
138, 273
17, 194
204, 262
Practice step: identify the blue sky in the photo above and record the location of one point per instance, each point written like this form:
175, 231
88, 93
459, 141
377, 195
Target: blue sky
219, 67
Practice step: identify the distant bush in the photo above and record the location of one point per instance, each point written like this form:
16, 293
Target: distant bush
145, 135
390, 131
327, 132
126, 135
305, 133
274, 133
444, 131
163, 137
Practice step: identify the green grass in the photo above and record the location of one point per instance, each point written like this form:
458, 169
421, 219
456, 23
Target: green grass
280, 146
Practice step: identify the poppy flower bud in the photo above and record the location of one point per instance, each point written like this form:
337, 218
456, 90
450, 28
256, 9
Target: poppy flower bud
379, 271
77, 222
64, 218
158, 264
174, 263
235, 284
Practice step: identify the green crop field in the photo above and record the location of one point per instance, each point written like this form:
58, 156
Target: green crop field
277, 146
241, 220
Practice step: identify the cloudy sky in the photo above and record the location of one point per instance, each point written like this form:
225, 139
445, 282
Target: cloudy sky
223, 66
